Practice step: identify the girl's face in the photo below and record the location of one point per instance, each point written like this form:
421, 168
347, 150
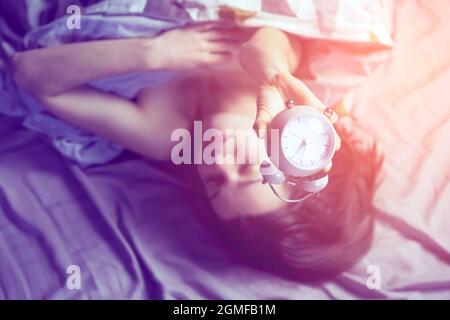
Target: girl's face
235, 186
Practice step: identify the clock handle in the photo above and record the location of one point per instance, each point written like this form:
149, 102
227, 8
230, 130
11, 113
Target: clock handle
316, 185
289, 200
273, 176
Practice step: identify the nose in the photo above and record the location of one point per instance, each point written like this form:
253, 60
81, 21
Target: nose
228, 173
237, 173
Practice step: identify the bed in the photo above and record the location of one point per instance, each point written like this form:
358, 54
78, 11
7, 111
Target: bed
138, 230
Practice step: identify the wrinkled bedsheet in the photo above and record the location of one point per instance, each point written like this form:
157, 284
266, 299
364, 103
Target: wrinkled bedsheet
139, 230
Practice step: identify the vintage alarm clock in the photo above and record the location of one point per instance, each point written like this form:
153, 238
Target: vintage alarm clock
304, 146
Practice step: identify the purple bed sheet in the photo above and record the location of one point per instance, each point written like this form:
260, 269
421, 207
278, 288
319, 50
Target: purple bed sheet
139, 230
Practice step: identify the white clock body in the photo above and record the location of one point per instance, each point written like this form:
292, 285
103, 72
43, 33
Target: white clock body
306, 141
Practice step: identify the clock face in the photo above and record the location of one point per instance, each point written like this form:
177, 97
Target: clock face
307, 141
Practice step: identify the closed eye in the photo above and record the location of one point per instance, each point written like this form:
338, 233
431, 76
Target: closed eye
218, 181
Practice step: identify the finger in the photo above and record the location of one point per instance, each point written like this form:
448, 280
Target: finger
222, 46
338, 142
269, 103
270, 99
334, 118
216, 35
296, 89
328, 167
213, 25
218, 57
206, 26
263, 118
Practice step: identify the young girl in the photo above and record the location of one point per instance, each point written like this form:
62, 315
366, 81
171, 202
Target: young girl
319, 238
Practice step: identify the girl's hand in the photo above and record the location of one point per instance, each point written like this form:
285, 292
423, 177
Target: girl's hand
196, 46
271, 100
272, 96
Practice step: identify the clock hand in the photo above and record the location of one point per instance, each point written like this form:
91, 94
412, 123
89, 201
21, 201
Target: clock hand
297, 136
301, 147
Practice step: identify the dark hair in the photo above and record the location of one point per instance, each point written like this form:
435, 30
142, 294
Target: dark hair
325, 235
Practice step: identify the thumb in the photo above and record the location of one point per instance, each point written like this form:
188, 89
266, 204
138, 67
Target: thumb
269, 103
263, 118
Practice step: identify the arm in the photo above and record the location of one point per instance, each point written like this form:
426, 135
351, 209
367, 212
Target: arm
51, 71
58, 77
